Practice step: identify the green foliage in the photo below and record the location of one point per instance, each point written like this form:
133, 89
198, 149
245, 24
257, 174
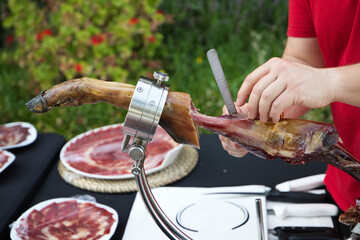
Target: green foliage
57, 40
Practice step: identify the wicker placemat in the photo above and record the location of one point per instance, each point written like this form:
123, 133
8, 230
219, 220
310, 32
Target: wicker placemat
181, 167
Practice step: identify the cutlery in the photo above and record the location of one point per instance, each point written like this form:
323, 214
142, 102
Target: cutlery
221, 80
302, 184
304, 210
305, 233
275, 195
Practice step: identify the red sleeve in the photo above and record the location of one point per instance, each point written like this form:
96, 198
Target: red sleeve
300, 19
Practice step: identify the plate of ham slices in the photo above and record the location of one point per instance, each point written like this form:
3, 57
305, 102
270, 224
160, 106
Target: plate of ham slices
6, 158
17, 134
66, 218
98, 154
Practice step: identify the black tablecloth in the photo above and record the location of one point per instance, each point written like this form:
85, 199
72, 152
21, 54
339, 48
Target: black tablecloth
20, 181
215, 168
33, 177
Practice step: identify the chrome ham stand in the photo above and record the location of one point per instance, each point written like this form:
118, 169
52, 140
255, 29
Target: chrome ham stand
141, 122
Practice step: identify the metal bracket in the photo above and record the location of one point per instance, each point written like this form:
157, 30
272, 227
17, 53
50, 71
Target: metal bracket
141, 122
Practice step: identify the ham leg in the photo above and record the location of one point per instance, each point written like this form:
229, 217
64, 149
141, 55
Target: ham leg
293, 140
176, 117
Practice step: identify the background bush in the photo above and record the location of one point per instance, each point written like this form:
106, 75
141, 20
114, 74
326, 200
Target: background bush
57, 40
245, 34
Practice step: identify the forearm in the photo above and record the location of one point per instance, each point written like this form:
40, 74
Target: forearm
304, 51
346, 84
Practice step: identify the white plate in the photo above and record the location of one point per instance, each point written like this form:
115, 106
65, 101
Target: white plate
28, 140
10, 159
101, 138
21, 221
232, 215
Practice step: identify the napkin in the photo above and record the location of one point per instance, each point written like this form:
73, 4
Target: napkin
212, 215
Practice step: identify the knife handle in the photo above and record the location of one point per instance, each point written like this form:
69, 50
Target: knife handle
302, 184
306, 210
296, 197
295, 230
306, 233
312, 238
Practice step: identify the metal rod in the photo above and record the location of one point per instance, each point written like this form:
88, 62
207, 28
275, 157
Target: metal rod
260, 218
164, 223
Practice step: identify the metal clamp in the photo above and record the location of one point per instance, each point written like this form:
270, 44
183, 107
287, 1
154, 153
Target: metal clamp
143, 117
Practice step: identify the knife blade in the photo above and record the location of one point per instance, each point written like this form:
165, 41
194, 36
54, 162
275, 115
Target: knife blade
221, 80
304, 210
277, 196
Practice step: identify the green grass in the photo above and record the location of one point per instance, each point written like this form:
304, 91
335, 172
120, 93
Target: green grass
244, 33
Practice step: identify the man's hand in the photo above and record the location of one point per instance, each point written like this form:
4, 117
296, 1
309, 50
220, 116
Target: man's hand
279, 84
229, 146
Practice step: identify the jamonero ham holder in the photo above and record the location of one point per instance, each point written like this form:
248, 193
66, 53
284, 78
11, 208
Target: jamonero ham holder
150, 103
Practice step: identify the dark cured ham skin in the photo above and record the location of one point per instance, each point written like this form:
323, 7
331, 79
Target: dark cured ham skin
66, 219
100, 152
292, 140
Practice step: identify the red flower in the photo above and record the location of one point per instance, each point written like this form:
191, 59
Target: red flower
78, 68
43, 33
47, 32
39, 37
10, 39
97, 39
37, 90
159, 12
133, 21
151, 39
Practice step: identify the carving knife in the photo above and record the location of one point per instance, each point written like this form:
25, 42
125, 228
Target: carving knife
302, 184
304, 210
274, 195
221, 80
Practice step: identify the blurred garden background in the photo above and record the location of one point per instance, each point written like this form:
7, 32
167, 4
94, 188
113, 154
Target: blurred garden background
45, 42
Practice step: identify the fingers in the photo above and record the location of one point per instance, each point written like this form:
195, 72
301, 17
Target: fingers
232, 148
257, 94
229, 146
252, 79
284, 100
242, 109
268, 96
224, 109
270, 89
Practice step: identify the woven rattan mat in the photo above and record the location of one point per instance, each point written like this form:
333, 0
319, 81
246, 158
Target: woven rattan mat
181, 167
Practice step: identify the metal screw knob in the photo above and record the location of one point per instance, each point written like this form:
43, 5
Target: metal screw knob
136, 153
136, 171
161, 77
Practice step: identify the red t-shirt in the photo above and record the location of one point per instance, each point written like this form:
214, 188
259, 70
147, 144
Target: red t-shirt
336, 25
